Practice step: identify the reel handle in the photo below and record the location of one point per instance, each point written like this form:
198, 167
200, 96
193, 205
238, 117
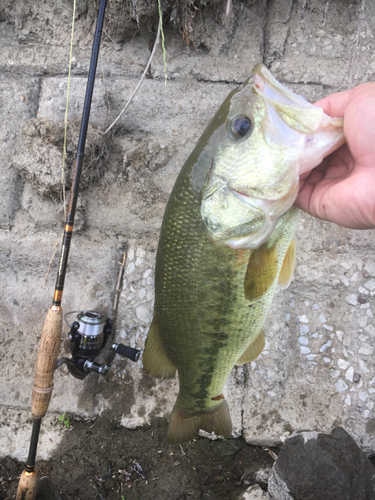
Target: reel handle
127, 352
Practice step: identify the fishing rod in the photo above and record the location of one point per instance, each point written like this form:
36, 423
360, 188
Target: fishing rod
90, 332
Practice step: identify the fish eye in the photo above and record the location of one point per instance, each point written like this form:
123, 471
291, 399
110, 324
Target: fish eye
239, 127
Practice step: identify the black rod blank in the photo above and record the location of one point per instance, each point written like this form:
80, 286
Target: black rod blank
33, 445
65, 247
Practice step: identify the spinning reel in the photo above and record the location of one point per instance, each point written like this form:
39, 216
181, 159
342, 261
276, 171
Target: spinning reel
88, 335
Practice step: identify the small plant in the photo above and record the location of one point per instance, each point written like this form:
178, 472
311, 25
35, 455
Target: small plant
64, 418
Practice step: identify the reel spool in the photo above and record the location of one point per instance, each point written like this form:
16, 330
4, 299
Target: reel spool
88, 335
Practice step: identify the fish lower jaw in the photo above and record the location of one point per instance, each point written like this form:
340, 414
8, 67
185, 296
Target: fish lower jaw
271, 208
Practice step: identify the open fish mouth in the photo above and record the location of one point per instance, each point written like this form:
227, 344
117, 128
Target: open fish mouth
294, 121
291, 107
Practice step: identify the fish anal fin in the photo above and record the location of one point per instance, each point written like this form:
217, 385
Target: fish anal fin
156, 361
287, 268
261, 272
184, 425
253, 350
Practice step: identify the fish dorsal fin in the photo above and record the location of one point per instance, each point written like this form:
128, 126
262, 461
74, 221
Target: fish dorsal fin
261, 271
156, 361
287, 268
253, 350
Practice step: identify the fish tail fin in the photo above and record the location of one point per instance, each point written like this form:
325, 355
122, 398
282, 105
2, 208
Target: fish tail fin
156, 361
184, 425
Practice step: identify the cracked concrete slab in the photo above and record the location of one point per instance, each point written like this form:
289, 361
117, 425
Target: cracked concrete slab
18, 99
316, 369
277, 29
332, 46
16, 425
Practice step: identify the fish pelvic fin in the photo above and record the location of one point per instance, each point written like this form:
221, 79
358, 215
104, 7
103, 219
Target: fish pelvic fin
156, 361
261, 272
253, 350
287, 268
184, 425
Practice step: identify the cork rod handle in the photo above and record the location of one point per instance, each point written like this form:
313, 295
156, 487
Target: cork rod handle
27, 486
46, 362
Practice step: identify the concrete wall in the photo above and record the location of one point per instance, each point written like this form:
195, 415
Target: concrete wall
316, 371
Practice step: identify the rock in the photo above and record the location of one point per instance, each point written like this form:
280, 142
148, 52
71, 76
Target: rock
143, 314
351, 299
317, 466
370, 268
263, 475
254, 492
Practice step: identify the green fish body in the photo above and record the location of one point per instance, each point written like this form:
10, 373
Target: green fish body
226, 244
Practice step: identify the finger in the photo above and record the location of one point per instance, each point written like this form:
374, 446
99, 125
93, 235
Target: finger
304, 175
314, 177
321, 167
306, 191
304, 197
315, 200
341, 155
335, 104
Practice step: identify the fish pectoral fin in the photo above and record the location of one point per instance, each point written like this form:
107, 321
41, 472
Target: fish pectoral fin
156, 361
253, 350
184, 425
261, 272
287, 268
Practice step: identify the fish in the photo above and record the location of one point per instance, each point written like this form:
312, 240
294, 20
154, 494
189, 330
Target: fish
227, 243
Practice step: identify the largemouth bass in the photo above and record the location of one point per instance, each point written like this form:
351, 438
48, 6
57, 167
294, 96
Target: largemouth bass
227, 243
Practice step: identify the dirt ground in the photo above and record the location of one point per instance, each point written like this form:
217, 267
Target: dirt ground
100, 459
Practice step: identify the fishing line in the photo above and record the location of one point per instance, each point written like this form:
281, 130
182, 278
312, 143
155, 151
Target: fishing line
56, 244
66, 108
64, 145
162, 41
140, 81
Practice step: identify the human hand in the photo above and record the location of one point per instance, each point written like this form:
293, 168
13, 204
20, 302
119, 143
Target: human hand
342, 188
